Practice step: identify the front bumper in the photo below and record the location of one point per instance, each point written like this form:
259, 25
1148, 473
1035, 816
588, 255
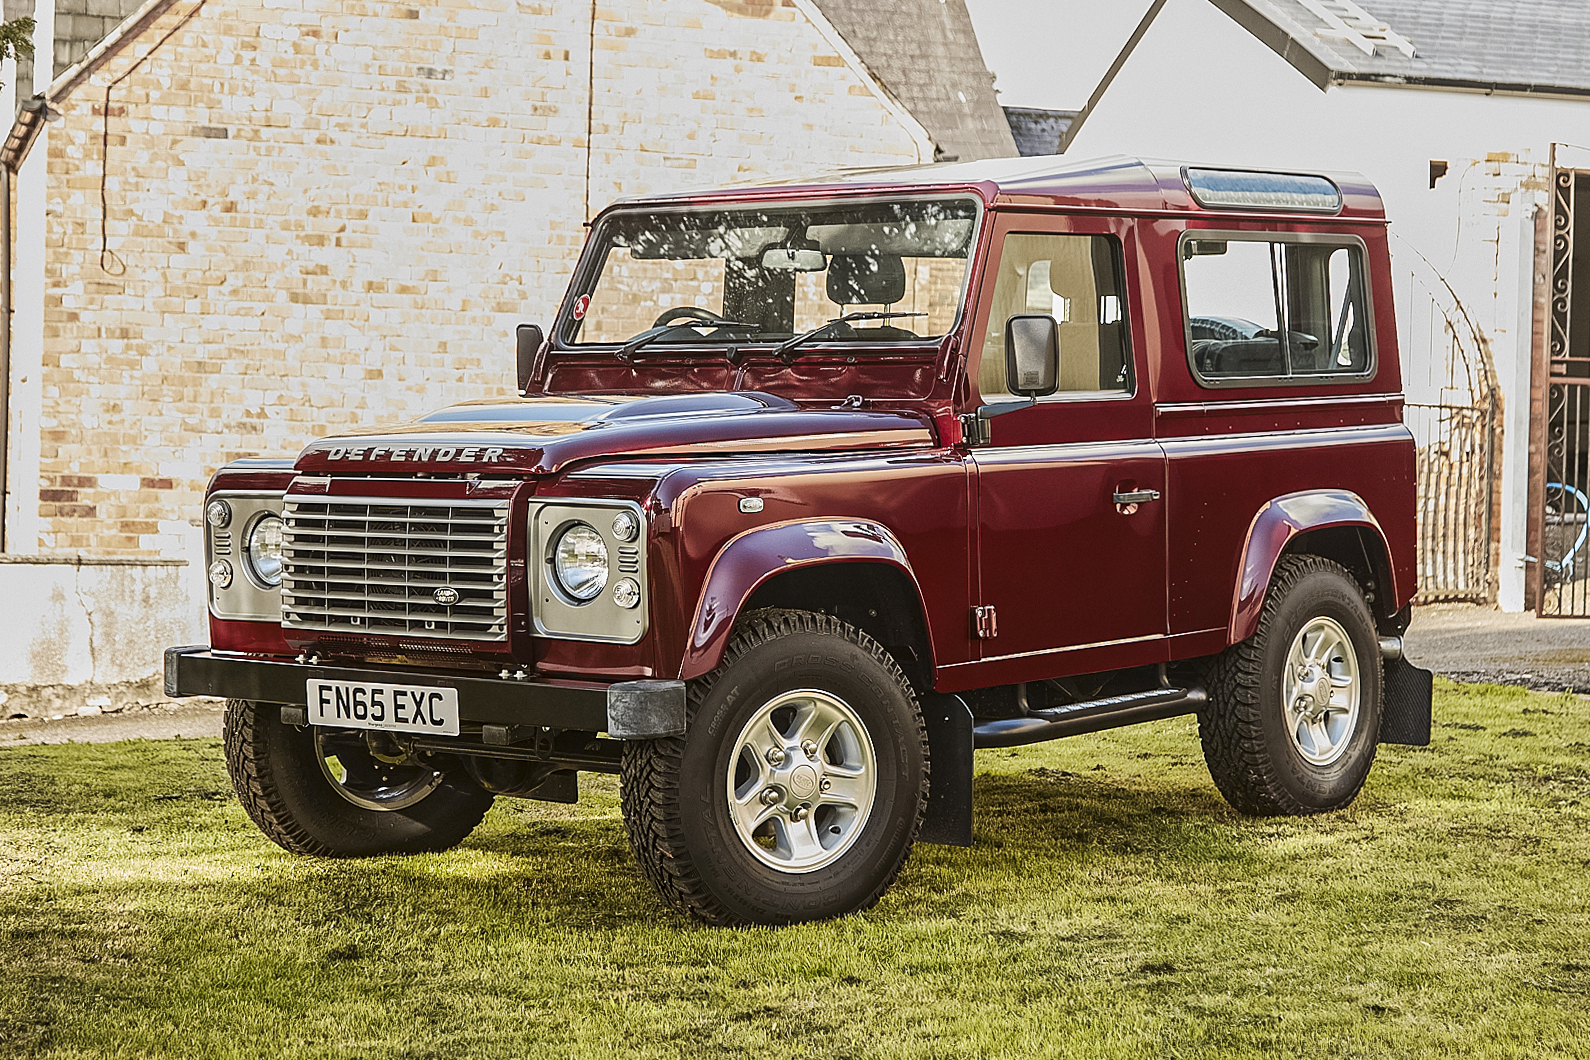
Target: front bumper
626, 710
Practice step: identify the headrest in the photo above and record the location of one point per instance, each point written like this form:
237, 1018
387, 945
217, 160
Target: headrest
866, 279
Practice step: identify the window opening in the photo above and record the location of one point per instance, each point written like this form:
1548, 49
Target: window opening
1280, 309
763, 275
1079, 281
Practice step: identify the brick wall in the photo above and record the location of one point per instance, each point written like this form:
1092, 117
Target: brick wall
327, 214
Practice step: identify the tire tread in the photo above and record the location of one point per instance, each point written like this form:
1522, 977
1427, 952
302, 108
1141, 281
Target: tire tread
649, 784
1231, 727
250, 761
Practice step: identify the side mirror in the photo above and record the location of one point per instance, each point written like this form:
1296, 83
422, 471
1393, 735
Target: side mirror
528, 339
1032, 355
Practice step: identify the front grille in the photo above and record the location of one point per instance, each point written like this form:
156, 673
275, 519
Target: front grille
374, 567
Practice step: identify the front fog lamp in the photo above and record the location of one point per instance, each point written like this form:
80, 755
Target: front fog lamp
220, 574
579, 562
265, 550
626, 593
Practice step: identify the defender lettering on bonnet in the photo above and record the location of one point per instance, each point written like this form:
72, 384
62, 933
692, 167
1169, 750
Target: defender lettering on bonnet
767, 480
472, 454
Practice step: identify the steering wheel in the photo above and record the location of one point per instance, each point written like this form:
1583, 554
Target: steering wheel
690, 312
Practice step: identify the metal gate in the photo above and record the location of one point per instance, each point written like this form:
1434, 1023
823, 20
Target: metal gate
1452, 412
1456, 458
1562, 486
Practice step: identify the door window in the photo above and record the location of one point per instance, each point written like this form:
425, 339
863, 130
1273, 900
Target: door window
1077, 280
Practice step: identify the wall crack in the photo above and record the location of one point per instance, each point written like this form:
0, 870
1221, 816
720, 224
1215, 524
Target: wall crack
87, 603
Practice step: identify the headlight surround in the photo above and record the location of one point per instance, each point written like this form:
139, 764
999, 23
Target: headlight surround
580, 562
264, 550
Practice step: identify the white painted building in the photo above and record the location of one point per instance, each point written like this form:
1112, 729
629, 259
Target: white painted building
1462, 112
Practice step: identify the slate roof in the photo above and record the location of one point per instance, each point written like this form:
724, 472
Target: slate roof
925, 52
1535, 47
79, 25
1037, 131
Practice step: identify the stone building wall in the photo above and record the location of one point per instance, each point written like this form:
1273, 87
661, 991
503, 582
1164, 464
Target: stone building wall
325, 214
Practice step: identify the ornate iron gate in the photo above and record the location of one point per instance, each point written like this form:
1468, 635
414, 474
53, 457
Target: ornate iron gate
1452, 412
1456, 459
1563, 490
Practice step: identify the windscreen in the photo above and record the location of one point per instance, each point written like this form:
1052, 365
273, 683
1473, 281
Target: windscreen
897, 269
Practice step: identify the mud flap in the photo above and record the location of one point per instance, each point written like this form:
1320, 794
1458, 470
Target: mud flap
1405, 712
949, 808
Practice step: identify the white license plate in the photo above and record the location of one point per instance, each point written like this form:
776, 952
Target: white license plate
397, 708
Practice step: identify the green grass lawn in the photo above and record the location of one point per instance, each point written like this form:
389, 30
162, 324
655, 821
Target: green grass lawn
1113, 906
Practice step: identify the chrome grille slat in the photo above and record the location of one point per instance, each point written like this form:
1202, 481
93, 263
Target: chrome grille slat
386, 549
339, 532
371, 566
457, 579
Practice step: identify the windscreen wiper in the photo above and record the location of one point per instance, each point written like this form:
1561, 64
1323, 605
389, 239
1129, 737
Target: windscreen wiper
650, 335
784, 351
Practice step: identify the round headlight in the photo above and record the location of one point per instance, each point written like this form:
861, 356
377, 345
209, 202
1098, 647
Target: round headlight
265, 550
219, 513
579, 562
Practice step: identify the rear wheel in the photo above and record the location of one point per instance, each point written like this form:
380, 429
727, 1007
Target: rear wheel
1293, 718
799, 788
341, 792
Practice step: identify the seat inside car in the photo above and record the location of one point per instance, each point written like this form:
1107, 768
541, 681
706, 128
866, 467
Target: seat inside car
868, 279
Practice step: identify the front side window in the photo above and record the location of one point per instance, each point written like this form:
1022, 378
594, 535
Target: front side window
738, 276
1077, 279
1261, 309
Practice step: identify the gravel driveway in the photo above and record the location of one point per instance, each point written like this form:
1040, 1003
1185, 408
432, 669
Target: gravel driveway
1468, 643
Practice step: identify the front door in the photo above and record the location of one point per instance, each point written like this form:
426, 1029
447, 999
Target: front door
1070, 509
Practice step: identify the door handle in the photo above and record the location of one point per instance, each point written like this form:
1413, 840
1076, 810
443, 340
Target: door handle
1126, 502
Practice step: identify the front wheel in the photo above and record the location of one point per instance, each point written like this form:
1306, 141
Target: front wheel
341, 792
799, 788
1293, 717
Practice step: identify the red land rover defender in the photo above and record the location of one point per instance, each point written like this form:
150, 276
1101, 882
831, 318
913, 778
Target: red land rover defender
813, 489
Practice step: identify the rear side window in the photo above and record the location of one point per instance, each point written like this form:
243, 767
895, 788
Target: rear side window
1261, 309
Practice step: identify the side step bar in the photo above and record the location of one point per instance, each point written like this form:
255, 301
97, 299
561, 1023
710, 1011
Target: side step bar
1095, 715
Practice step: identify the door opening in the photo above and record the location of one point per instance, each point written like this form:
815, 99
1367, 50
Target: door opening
1562, 485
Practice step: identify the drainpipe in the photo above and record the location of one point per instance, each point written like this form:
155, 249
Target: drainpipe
5, 344
8, 105
28, 122
27, 298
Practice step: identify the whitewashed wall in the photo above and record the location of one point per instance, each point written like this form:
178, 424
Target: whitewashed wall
81, 631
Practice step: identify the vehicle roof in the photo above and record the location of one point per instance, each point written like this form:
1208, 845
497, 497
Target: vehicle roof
1116, 184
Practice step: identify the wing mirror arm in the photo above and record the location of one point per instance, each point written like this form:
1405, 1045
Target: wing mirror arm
527, 344
988, 412
1032, 371
975, 426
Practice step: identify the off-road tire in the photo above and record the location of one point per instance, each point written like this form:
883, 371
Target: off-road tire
285, 792
1243, 727
675, 807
